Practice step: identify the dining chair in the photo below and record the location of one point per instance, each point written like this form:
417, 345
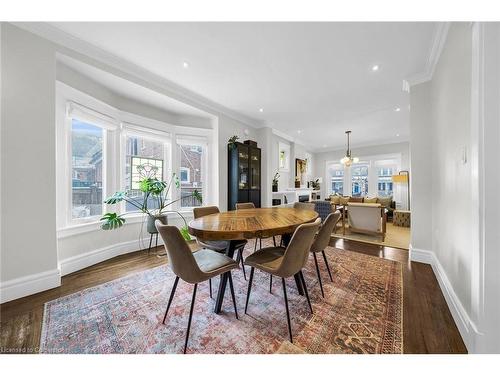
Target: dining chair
284, 263
323, 208
321, 241
193, 268
304, 206
219, 246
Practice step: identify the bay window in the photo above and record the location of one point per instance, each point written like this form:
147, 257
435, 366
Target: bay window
192, 168
87, 157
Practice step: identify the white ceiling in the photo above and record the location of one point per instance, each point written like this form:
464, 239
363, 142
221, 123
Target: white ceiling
315, 78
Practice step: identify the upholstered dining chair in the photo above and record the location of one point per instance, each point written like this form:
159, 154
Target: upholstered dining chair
284, 263
219, 246
323, 208
193, 268
320, 243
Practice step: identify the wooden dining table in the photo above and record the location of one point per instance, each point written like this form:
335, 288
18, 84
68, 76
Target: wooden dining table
238, 225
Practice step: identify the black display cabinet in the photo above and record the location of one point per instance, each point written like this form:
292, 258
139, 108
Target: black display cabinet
244, 174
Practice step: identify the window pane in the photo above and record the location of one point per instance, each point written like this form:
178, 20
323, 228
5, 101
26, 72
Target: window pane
191, 157
359, 180
144, 159
86, 155
336, 176
384, 176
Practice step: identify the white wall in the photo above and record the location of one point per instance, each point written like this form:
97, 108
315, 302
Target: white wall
421, 130
28, 158
402, 149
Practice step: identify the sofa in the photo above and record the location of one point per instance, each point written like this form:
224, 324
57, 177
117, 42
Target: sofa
338, 201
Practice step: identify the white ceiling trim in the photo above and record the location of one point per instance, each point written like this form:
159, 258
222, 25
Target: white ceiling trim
68, 41
440, 34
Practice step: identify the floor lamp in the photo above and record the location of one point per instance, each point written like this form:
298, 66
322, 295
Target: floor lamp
401, 178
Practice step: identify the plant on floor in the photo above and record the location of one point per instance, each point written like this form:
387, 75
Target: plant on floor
154, 202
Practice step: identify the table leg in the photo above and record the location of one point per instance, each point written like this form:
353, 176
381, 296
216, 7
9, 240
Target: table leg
286, 240
223, 280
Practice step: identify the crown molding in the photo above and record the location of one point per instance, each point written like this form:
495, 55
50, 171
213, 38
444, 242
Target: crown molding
438, 40
120, 65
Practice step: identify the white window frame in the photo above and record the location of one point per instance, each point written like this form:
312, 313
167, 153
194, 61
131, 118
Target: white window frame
203, 142
118, 125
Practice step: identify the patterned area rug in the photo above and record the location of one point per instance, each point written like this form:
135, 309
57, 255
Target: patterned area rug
361, 313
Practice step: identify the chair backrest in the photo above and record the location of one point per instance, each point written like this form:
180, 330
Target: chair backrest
204, 211
323, 208
366, 216
180, 257
244, 206
296, 253
322, 239
304, 206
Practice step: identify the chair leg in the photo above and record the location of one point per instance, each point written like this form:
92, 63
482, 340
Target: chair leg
319, 275
156, 241
232, 293
150, 241
327, 266
249, 288
305, 290
240, 256
270, 283
274, 241
190, 316
287, 311
171, 298
210, 286
255, 247
260, 242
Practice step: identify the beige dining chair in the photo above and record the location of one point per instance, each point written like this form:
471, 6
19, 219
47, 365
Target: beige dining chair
284, 263
321, 241
219, 246
193, 268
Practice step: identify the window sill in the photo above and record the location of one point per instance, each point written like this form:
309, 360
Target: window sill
96, 225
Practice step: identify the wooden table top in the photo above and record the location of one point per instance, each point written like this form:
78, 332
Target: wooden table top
250, 223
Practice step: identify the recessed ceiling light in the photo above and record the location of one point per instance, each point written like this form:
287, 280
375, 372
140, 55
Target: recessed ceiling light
185, 65
261, 110
397, 135
299, 131
397, 109
375, 68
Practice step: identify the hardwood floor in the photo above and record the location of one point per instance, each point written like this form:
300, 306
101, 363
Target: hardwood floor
428, 324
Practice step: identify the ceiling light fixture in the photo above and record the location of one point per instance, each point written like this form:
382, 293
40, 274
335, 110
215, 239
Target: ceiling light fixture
185, 65
397, 109
299, 131
348, 160
397, 135
375, 68
261, 110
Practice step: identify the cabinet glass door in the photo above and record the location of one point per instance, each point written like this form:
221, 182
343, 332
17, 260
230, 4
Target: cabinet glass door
243, 177
255, 168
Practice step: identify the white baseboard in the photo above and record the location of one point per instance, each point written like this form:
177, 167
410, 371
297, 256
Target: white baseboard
27, 285
464, 323
90, 258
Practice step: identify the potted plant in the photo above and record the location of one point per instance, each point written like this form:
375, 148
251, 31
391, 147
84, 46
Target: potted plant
232, 141
315, 184
275, 182
154, 190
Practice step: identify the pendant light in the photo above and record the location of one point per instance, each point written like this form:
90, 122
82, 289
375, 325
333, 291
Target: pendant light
348, 160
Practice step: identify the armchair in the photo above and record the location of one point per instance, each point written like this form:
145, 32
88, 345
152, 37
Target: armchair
367, 218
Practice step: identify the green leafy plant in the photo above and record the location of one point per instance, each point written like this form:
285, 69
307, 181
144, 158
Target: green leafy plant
153, 188
276, 178
232, 141
315, 184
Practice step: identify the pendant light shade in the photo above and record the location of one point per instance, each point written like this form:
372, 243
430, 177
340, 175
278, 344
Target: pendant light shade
348, 160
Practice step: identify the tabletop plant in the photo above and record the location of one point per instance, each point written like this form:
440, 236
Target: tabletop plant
154, 190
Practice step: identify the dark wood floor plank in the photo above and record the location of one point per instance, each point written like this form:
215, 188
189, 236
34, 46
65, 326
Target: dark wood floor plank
428, 326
